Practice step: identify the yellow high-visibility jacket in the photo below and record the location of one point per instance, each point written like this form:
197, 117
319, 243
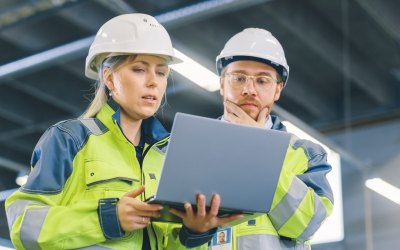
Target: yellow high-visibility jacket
302, 201
80, 168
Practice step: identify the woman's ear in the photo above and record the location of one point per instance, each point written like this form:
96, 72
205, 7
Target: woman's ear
108, 79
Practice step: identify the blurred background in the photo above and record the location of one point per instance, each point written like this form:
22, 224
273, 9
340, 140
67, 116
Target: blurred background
343, 89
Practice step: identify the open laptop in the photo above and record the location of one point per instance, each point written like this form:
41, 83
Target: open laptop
240, 163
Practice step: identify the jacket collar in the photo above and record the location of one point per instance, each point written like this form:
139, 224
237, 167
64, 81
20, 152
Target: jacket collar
276, 123
152, 129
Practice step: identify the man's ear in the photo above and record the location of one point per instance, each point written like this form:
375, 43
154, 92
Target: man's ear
221, 90
278, 91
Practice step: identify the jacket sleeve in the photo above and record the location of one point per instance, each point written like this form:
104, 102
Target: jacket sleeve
303, 198
180, 237
37, 214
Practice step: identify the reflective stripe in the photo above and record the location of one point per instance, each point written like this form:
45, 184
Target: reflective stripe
94, 248
258, 241
92, 126
289, 204
316, 220
31, 227
16, 209
267, 242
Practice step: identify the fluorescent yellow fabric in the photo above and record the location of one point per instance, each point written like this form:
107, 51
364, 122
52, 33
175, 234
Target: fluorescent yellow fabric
103, 166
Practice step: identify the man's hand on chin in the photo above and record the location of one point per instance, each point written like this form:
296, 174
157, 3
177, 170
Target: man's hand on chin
233, 113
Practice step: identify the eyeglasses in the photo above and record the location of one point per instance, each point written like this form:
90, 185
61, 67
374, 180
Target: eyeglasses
240, 80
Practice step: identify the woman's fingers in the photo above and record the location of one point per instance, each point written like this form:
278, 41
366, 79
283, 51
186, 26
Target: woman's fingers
215, 202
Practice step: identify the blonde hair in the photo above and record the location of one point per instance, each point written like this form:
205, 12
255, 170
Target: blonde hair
101, 91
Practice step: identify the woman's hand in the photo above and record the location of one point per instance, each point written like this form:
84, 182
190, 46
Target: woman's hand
134, 214
202, 221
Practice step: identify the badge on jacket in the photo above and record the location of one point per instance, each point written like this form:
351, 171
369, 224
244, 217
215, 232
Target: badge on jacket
222, 239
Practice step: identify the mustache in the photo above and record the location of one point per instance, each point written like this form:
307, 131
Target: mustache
249, 100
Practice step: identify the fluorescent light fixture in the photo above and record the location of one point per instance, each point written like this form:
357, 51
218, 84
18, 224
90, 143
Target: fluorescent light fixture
332, 229
196, 73
384, 188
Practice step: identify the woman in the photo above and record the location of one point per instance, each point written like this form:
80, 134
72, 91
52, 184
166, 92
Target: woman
91, 175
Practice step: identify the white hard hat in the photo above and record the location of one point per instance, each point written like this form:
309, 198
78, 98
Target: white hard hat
129, 34
256, 45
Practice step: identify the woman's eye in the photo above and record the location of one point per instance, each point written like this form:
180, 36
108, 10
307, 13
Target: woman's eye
161, 73
138, 70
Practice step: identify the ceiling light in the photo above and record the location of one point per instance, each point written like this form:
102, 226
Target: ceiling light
196, 73
384, 188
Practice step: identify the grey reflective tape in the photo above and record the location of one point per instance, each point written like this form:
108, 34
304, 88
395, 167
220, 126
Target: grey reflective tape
258, 241
289, 204
267, 242
32, 226
16, 209
92, 126
161, 150
162, 146
94, 248
316, 220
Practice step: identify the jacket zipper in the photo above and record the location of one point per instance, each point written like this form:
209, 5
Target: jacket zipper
146, 150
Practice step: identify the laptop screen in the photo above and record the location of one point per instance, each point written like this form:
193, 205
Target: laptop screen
240, 163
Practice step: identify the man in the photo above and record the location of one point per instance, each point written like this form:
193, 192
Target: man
253, 72
221, 237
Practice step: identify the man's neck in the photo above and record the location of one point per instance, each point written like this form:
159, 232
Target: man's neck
268, 122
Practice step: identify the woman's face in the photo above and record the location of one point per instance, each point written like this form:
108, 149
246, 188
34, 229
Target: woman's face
138, 85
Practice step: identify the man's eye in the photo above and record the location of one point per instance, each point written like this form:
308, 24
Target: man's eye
262, 81
161, 73
240, 79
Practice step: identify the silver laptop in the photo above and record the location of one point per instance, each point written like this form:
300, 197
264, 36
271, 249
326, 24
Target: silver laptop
240, 163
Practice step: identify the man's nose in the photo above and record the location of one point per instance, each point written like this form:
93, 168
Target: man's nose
249, 88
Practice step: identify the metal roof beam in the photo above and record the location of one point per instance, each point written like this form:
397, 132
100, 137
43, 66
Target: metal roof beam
312, 31
14, 117
307, 97
202, 10
79, 48
118, 6
389, 21
46, 58
41, 95
12, 165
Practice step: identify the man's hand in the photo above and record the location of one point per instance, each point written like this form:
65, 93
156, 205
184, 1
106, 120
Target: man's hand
202, 221
233, 113
134, 214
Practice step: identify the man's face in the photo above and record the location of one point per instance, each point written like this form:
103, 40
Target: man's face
251, 97
221, 237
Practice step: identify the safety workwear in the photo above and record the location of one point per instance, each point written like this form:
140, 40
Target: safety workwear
87, 164
129, 34
303, 199
254, 44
